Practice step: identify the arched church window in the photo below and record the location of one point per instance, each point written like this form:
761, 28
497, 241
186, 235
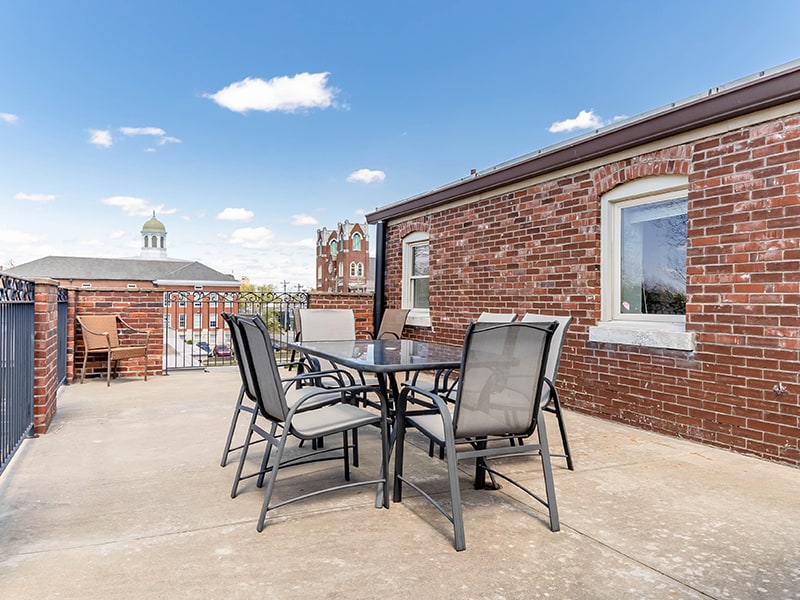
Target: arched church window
356, 243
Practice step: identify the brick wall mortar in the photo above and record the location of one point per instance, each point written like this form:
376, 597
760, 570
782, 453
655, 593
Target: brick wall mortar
537, 249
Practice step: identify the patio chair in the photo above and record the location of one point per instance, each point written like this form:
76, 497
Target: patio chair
100, 335
392, 323
305, 419
329, 324
246, 400
245, 403
498, 400
550, 401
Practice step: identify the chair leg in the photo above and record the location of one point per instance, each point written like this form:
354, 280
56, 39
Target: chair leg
83, 369
145, 366
108, 370
399, 451
234, 420
346, 454
547, 470
273, 476
455, 494
238, 477
563, 430
267, 451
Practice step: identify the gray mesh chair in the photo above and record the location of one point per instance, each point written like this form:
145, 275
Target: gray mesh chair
550, 401
246, 401
298, 420
392, 323
498, 399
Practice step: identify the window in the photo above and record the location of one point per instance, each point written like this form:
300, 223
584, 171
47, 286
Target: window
169, 321
360, 269
131, 286
182, 300
356, 242
181, 321
212, 321
334, 248
212, 300
197, 321
416, 275
352, 269
643, 256
341, 270
167, 300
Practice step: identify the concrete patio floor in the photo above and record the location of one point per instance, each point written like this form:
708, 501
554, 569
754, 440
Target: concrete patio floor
125, 498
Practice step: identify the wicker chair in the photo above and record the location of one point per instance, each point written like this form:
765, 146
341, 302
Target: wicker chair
101, 336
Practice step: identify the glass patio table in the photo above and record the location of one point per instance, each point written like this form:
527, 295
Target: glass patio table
384, 358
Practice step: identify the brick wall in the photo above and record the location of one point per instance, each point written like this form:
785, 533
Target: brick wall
361, 303
537, 249
45, 364
142, 309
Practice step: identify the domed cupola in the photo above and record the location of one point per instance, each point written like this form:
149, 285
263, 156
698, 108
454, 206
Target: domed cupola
154, 239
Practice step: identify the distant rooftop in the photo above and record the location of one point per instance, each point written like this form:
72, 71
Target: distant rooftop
118, 269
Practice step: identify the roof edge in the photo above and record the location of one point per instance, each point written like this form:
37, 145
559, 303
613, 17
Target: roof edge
757, 92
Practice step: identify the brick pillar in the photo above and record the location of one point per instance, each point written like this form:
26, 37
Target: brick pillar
45, 341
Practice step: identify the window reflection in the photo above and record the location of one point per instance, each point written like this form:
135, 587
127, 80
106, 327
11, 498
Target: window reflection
653, 258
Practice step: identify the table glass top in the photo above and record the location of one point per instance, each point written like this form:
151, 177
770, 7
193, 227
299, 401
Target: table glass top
385, 355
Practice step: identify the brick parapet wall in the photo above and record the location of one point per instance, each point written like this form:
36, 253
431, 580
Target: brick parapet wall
45, 364
141, 309
537, 249
361, 303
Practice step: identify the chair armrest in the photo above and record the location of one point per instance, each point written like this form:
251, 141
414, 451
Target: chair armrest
135, 330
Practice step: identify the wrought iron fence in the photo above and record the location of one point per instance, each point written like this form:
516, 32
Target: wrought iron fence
16, 364
195, 335
62, 336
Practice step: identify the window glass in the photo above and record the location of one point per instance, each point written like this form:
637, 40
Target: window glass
653, 258
356, 241
419, 275
334, 248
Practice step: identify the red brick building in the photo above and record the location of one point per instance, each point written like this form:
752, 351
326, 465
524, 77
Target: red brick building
672, 238
343, 258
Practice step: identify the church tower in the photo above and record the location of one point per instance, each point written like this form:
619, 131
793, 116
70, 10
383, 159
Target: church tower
154, 239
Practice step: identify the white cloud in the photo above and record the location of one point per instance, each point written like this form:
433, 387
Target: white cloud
305, 243
8, 118
116, 235
285, 94
142, 131
35, 197
137, 207
584, 120
156, 132
253, 238
366, 176
236, 214
302, 220
13, 237
100, 137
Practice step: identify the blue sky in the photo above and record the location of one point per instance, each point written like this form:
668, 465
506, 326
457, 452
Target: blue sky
249, 125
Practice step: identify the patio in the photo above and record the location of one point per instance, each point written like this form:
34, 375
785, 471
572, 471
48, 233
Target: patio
124, 498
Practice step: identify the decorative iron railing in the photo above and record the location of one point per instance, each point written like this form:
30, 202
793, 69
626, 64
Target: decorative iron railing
16, 364
63, 307
195, 335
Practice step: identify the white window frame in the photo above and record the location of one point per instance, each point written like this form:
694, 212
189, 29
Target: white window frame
182, 321
420, 317
655, 331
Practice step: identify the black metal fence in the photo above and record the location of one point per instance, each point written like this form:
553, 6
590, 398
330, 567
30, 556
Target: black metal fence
62, 335
195, 335
16, 364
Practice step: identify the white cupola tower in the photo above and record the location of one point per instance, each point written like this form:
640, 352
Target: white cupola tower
154, 239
